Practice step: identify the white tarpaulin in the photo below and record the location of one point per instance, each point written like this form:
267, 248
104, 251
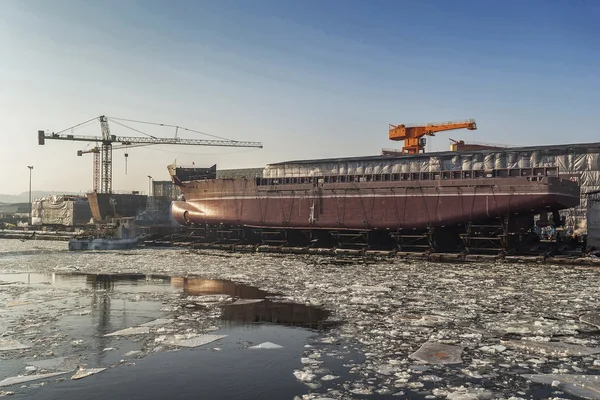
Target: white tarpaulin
58, 210
579, 159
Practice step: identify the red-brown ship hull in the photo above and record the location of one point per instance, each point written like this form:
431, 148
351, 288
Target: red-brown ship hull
389, 205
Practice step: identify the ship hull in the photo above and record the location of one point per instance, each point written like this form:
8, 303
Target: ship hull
121, 205
371, 205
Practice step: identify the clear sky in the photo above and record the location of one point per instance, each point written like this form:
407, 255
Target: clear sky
311, 78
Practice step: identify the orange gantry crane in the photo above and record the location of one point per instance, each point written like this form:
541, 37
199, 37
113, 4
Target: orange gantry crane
414, 142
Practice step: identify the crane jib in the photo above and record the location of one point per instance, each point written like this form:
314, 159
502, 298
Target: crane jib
103, 154
129, 140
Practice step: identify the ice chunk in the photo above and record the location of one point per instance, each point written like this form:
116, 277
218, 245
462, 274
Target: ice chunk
534, 327
493, 349
370, 289
421, 368
200, 340
586, 386
438, 353
420, 320
137, 330
304, 376
431, 378
241, 302
591, 318
210, 299
462, 393
266, 345
558, 349
85, 372
7, 344
310, 361
160, 321
57, 363
131, 353
329, 377
387, 369
14, 380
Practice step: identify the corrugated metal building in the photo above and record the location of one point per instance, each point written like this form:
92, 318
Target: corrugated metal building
593, 220
574, 161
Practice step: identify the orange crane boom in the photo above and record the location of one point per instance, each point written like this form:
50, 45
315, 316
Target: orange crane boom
412, 135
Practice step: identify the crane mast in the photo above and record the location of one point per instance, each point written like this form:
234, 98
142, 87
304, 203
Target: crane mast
96, 155
106, 181
413, 135
103, 155
97, 170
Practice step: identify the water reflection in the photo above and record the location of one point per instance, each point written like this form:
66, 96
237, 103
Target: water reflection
263, 311
276, 313
199, 286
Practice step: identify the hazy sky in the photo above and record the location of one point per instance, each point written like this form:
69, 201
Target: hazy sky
307, 78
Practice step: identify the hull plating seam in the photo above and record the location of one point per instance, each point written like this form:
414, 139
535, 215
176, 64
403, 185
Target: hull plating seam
250, 197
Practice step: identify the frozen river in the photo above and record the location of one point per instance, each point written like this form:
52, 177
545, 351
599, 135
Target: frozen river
176, 323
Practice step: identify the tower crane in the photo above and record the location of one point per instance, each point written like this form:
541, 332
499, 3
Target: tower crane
96, 153
103, 154
414, 142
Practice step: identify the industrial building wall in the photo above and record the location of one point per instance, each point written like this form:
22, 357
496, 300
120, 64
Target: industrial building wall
582, 160
593, 221
165, 189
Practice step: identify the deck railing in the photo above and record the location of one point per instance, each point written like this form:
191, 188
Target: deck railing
532, 173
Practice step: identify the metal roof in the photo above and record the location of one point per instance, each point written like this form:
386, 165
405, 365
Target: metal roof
580, 148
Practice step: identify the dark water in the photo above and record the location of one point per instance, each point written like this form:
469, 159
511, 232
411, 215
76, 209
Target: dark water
234, 371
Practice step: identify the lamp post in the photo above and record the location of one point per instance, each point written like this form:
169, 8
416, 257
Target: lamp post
149, 185
30, 207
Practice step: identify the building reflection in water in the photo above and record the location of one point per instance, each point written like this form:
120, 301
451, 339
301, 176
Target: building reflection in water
199, 287
265, 311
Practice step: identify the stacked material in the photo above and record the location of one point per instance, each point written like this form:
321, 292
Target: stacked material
60, 210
